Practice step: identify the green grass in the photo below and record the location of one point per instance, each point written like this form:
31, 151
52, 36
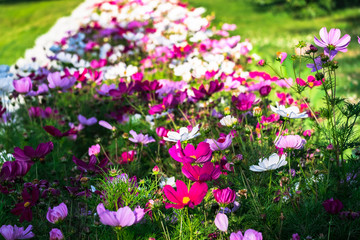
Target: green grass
21, 22
271, 31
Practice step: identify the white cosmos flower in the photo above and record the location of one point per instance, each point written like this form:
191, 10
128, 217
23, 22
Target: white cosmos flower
228, 121
182, 135
167, 181
291, 112
271, 163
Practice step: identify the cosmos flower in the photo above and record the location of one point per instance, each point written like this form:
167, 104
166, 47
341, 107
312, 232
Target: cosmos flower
223, 142
183, 134
140, 138
311, 82
30, 154
290, 112
332, 40
224, 196
333, 206
84, 121
94, 150
221, 222
57, 213
55, 81
249, 234
14, 232
183, 197
271, 163
123, 217
23, 85
228, 121
28, 200
290, 141
201, 174
56, 234
201, 154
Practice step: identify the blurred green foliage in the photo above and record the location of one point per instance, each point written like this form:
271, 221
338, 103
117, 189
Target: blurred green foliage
306, 8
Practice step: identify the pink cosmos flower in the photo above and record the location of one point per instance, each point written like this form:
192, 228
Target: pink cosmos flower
228, 27
311, 82
282, 56
224, 196
332, 40
201, 174
94, 150
58, 213
14, 232
221, 222
140, 138
56, 234
123, 217
23, 85
107, 125
249, 234
290, 141
201, 154
223, 142
183, 197
307, 133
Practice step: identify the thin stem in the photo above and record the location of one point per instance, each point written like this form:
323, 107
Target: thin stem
270, 180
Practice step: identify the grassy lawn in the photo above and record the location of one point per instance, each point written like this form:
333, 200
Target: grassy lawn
271, 32
22, 21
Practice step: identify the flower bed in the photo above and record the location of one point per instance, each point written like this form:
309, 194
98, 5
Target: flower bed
142, 120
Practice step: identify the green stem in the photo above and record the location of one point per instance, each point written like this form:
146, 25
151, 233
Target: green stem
270, 180
329, 228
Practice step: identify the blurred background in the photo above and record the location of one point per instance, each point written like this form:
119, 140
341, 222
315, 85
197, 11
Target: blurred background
270, 25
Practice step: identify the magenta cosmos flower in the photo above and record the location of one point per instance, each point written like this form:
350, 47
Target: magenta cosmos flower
201, 154
56, 234
140, 138
332, 40
249, 234
23, 85
14, 232
224, 196
223, 142
10, 170
167, 102
123, 217
183, 197
58, 213
244, 101
333, 206
290, 141
30, 154
201, 174
24, 208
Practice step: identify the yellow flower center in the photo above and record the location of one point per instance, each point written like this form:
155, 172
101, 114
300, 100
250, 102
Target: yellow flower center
27, 204
311, 84
186, 200
193, 156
